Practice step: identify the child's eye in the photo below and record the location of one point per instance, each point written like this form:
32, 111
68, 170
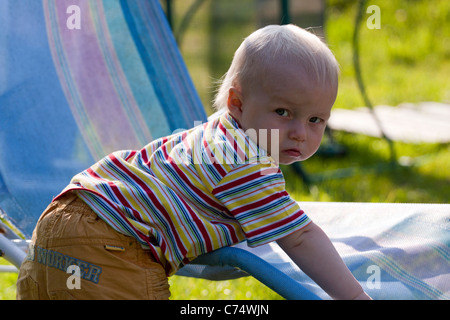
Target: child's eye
282, 112
315, 120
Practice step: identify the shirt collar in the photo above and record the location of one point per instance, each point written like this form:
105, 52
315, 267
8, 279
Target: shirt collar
252, 149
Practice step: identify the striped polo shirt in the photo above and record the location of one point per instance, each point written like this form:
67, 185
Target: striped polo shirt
192, 192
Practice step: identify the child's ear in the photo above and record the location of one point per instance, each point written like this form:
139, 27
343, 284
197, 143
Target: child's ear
234, 102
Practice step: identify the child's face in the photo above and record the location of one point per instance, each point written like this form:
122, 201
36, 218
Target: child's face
287, 101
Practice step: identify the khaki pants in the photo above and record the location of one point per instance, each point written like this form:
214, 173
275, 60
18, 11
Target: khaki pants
76, 255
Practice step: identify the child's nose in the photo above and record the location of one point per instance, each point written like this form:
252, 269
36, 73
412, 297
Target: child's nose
298, 132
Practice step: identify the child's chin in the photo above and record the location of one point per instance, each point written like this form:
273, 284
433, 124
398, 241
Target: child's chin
288, 161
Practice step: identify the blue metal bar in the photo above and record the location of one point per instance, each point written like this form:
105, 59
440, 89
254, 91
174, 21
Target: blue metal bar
260, 269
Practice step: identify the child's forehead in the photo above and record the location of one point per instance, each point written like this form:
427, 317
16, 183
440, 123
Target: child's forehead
316, 64
287, 80
285, 72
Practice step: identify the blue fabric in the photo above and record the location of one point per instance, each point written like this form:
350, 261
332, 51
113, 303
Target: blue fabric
37, 130
70, 96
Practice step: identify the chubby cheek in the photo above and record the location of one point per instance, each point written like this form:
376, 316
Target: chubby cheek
314, 143
310, 146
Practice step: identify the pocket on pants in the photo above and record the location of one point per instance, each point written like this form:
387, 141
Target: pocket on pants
137, 271
157, 283
27, 289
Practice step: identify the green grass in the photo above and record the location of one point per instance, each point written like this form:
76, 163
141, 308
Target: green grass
247, 288
365, 174
407, 60
7, 283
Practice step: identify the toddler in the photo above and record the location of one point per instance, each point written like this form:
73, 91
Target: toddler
137, 216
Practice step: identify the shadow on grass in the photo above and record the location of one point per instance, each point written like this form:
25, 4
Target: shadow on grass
365, 173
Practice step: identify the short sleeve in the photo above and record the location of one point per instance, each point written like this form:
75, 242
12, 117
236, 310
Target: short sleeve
255, 196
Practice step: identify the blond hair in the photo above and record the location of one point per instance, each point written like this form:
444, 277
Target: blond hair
271, 43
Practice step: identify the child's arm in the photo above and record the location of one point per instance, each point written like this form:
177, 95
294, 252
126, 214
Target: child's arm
311, 249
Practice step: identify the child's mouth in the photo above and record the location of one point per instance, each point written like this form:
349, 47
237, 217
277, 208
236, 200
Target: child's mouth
293, 153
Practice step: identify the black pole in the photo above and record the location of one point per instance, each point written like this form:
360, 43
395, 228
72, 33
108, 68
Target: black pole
359, 79
285, 16
169, 13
